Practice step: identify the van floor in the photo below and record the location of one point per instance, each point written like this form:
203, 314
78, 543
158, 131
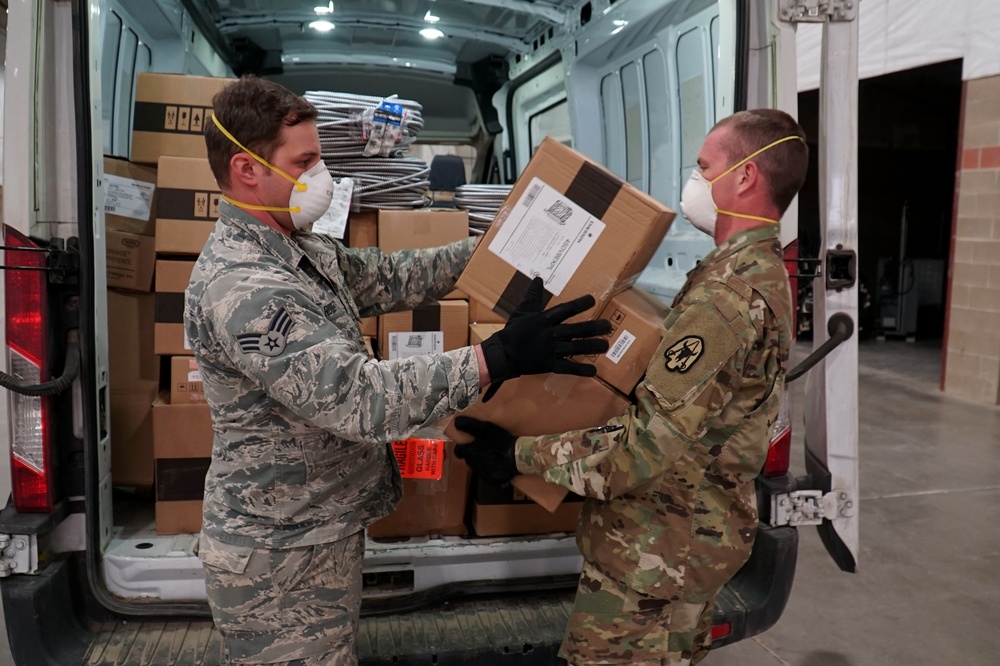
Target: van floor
508, 631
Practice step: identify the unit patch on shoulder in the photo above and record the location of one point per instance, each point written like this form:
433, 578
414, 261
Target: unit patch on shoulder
684, 353
272, 341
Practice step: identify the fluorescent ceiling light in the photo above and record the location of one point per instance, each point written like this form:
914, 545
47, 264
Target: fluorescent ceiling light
321, 26
328, 9
430, 18
431, 33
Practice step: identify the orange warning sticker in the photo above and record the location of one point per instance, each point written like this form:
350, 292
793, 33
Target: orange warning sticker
419, 458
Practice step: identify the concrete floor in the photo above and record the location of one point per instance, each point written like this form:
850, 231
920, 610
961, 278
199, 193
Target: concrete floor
928, 587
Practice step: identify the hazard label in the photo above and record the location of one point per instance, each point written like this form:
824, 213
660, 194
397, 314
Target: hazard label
419, 458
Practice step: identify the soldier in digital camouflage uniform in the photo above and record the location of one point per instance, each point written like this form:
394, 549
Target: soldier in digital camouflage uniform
302, 417
670, 510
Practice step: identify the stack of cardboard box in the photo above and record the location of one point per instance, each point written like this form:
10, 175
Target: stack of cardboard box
160, 208
586, 232
430, 505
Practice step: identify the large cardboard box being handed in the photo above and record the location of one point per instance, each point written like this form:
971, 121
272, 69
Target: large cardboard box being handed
572, 222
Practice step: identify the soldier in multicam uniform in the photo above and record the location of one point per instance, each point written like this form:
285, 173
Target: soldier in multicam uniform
670, 510
302, 417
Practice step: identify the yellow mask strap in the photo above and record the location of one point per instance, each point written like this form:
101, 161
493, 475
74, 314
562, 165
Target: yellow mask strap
730, 169
748, 217
240, 204
301, 187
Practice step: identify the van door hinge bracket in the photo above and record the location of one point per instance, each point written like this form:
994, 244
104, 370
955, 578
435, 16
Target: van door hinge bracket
18, 554
818, 11
810, 507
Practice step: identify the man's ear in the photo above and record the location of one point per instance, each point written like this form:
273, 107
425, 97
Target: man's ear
749, 177
241, 167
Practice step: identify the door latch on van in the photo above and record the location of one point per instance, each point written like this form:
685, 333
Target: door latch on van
810, 507
18, 554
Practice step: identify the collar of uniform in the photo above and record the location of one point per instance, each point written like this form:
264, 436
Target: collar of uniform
270, 240
738, 241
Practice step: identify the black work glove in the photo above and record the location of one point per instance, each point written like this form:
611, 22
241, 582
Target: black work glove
536, 341
491, 452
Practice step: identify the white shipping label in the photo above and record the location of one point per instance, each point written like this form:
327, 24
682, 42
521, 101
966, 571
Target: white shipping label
546, 234
334, 220
194, 376
414, 343
620, 346
127, 197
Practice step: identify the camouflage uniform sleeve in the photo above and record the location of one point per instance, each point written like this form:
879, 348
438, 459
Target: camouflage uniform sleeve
276, 334
403, 280
691, 378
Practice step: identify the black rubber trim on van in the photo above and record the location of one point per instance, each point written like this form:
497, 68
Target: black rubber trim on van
741, 87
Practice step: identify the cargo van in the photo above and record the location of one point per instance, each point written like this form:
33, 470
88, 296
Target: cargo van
632, 84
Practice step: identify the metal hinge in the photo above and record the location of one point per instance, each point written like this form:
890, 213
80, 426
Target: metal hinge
18, 554
819, 11
810, 507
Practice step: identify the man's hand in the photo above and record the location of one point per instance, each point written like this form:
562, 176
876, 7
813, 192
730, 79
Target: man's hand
536, 341
491, 453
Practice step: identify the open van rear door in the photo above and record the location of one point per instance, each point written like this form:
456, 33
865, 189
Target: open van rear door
830, 500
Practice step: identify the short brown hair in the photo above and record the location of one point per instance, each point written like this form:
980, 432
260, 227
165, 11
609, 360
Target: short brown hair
785, 165
254, 111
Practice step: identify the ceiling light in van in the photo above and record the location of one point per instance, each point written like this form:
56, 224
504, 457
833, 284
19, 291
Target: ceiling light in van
431, 33
430, 18
328, 9
321, 26
619, 24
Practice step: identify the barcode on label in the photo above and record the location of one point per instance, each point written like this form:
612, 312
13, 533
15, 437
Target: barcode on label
529, 197
620, 346
419, 458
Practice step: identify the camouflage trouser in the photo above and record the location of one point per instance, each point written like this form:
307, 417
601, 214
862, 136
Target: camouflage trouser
611, 624
297, 606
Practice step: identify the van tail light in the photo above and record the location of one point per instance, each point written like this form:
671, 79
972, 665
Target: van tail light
27, 358
780, 450
721, 630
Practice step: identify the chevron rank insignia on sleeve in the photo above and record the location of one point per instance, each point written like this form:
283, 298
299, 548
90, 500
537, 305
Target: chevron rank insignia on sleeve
272, 341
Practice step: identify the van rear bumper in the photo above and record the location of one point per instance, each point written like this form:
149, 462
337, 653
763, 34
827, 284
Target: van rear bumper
755, 598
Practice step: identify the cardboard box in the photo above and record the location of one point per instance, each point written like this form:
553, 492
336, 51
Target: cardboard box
369, 347
572, 222
479, 332
369, 327
185, 381
500, 511
187, 205
541, 405
636, 319
169, 338
129, 197
170, 113
130, 260
133, 365
481, 314
430, 506
546, 404
132, 437
420, 229
428, 329
362, 230
182, 451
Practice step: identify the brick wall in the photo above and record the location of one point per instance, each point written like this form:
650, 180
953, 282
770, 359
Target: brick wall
972, 338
